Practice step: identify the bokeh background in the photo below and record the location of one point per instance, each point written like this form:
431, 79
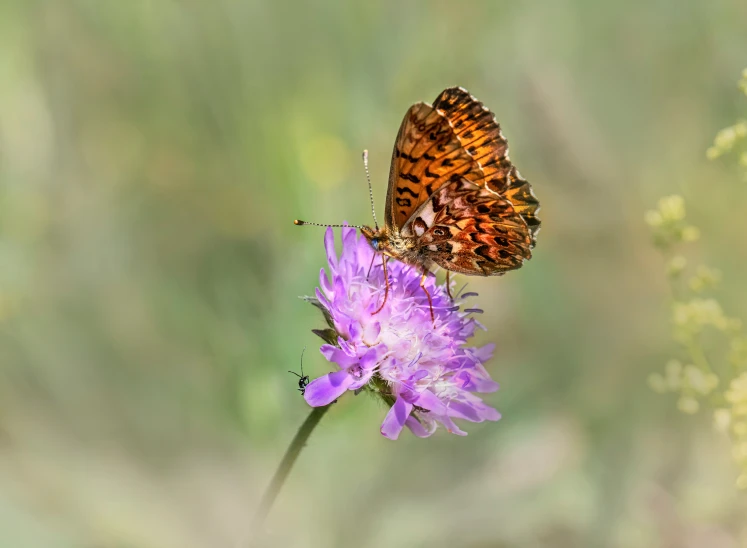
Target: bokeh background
153, 155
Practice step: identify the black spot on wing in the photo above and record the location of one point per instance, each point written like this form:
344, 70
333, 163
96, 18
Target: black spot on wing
484, 252
445, 247
403, 189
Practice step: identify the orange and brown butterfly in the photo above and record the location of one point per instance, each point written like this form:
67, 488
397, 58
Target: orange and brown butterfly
455, 199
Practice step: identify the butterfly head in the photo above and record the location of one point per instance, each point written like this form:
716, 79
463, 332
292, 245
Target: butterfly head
380, 240
374, 237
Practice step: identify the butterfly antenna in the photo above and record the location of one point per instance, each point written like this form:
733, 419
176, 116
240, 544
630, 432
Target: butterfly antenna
303, 223
370, 196
370, 189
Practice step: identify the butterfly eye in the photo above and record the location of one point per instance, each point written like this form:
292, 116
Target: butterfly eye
438, 232
375, 243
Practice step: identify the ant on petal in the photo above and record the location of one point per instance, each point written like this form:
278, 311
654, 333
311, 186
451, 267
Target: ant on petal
303, 380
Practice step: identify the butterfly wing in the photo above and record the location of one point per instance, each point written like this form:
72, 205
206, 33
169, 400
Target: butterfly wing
457, 138
426, 155
470, 229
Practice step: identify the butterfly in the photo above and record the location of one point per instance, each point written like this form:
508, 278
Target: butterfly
454, 199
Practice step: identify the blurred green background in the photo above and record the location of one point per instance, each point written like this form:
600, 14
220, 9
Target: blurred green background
153, 155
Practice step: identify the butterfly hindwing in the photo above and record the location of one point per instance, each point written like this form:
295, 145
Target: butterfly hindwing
480, 134
469, 229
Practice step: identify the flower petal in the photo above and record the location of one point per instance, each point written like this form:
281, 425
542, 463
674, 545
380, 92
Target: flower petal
484, 353
326, 389
395, 419
349, 241
362, 381
428, 400
371, 332
476, 382
371, 358
329, 246
473, 411
338, 356
327, 286
420, 430
325, 302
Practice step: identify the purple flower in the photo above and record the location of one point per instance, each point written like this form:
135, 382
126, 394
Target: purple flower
421, 368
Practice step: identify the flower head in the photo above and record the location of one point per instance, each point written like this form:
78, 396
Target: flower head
420, 367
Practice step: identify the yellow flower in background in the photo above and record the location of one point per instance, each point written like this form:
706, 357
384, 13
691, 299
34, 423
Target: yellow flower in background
736, 395
704, 278
736, 425
676, 266
668, 223
672, 208
692, 316
699, 379
688, 404
731, 137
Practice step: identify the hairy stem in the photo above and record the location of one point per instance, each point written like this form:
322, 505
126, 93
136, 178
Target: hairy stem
289, 459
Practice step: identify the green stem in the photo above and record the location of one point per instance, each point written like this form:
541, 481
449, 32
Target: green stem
289, 459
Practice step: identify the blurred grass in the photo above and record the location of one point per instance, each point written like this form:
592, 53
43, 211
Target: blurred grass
152, 157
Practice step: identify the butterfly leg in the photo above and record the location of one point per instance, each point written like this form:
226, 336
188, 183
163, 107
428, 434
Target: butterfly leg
386, 289
448, 286
373, 258
430, 301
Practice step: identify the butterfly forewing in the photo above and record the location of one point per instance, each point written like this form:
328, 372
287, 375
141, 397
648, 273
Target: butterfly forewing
426, 154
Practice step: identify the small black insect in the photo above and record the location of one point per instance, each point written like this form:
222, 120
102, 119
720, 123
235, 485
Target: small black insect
303, 380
